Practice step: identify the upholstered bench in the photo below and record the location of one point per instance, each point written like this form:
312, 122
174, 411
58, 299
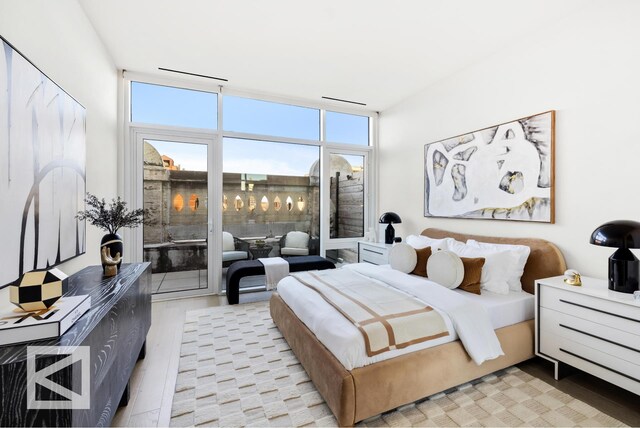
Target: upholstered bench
239, 270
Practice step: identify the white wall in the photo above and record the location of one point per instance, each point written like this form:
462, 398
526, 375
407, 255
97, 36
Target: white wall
587, 68
58, 38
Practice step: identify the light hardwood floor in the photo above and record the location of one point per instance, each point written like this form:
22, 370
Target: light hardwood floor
154, 378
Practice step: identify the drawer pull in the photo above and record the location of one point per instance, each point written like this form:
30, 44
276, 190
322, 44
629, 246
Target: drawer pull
599, 365
599, 310
599, 338
367, 261
374, 252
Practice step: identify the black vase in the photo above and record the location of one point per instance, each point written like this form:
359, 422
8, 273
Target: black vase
113, 241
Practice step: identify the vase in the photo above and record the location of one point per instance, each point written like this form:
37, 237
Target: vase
113, 241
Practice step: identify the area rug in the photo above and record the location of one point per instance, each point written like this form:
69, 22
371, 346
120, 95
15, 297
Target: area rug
236, 369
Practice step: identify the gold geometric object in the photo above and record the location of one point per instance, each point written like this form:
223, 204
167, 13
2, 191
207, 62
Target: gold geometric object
38, 290
572, 277
110, 263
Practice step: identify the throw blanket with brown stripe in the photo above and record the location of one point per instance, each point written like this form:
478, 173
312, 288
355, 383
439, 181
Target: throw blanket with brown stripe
387, 318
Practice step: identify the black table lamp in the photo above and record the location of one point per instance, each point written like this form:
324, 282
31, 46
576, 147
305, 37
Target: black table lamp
624, 267
389, 233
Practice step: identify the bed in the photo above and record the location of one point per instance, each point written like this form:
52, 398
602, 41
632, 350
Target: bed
363, 392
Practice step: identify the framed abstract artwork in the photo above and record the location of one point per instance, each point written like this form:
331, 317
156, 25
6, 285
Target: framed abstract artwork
42, 169
502, 172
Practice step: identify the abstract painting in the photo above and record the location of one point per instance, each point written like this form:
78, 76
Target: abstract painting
501, 172
42, 169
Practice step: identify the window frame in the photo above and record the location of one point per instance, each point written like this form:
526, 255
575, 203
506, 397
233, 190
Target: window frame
127, 174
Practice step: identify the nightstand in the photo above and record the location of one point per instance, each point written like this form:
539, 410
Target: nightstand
376, 253
591, 328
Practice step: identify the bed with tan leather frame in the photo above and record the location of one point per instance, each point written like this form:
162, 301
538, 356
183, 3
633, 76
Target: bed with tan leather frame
367, 391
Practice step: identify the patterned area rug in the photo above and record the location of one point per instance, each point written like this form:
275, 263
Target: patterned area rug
237, 370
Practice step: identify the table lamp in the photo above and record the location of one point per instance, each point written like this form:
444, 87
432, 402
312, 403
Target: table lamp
389, 233
624, 267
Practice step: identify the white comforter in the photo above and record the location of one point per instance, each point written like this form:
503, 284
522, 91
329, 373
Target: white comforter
465, 318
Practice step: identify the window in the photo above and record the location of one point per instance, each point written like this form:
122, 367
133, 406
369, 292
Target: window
347, 128
169, 106
271, 178
268, 118
263, 171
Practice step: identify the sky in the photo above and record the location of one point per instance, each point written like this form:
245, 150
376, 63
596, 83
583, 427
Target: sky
196, 109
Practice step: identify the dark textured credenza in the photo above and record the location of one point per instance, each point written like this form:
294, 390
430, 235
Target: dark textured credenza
114, 329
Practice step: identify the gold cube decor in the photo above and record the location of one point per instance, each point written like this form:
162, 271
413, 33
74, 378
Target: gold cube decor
38, 290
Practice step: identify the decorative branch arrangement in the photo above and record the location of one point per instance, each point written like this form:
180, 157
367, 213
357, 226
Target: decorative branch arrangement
113, 217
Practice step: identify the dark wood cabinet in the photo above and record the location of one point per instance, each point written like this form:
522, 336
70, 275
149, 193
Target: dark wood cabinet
114, 330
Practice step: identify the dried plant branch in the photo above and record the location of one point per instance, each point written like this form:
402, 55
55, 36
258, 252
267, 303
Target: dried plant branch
113, 217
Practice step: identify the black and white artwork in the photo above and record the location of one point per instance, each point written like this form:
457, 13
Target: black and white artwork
501, 172
42, 169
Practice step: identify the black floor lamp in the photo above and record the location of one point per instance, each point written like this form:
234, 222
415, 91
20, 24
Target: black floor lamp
624, 267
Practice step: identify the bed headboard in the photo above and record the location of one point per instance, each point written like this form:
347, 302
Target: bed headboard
545, 259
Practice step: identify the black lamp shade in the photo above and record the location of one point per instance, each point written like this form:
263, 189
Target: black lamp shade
617, 233
624, 267
389, 218
389, 233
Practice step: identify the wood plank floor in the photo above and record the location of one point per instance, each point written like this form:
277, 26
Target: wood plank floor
154, 378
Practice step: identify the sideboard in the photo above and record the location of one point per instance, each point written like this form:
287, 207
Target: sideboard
114, 330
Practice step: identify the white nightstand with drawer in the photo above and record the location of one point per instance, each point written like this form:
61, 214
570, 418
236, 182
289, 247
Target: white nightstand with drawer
376, 253
591, 328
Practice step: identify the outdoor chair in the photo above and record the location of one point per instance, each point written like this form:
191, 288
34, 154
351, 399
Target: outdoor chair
298, 244
233, 249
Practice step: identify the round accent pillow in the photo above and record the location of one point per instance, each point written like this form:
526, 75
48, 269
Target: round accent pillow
403, 257
445, 268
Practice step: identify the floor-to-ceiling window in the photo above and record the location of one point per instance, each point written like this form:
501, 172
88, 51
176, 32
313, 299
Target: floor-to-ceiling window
226, 177
270, 189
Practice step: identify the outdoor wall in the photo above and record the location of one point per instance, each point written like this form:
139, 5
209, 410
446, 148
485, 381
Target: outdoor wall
189, 222
350, 212
58, 38
257, 222
586, 68
162, 187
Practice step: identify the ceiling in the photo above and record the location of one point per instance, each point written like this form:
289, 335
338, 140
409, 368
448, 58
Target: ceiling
376, 52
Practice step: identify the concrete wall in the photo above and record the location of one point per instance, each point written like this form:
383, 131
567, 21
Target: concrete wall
162, 187
58, 38
584, 67
257, 222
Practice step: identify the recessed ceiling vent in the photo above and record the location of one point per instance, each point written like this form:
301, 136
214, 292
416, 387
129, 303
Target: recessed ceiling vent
344, 101
193, 74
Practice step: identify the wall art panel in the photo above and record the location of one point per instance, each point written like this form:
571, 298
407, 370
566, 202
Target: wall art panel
501, 172
42, 169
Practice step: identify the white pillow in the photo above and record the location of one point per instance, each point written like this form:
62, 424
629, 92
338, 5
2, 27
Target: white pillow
445, 268
421, 241
297, 240
496, 269
403, 257
522, 255
227, 242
